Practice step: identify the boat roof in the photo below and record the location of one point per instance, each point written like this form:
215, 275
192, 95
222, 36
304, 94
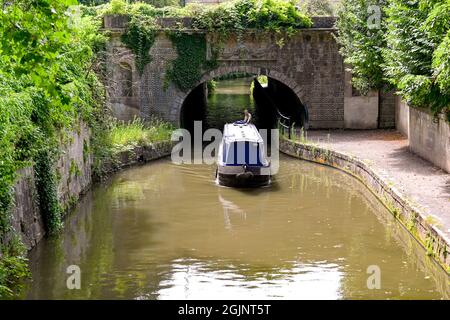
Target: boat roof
241, 132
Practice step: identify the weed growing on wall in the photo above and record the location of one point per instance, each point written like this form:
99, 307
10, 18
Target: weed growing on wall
186, 71
140, 37
47, 190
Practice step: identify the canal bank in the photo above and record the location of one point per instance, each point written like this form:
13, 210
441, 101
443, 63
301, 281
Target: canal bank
411, 188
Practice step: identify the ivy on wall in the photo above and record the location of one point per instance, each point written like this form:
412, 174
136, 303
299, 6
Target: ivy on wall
140, 37
187, 69
46, 185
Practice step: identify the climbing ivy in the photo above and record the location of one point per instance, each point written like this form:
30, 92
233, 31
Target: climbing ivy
139, 37
187, 69
46, 184
282, 17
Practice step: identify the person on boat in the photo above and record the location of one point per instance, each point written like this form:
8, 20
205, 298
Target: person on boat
247, 118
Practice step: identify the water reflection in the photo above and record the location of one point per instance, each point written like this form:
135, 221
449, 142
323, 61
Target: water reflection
228, 102
195, 280
164, 231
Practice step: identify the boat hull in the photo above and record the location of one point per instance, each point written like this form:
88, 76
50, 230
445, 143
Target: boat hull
243, 176
243, 180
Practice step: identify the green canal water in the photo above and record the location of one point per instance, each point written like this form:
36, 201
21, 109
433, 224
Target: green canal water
166, 231
228, 102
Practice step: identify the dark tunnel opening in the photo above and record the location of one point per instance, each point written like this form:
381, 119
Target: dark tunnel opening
223, 101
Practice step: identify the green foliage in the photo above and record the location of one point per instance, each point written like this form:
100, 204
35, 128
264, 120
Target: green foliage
161, 3
46, 184
116, 7
417, 56
319, 7
47, 83
92, 2
114, 136
13, 269
140, 37
410, 50
441, 65
362, 43
155, 3
186, 71
212, 85
124, 135
272, 15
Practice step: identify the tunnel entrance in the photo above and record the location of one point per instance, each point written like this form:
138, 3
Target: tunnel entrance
224, 99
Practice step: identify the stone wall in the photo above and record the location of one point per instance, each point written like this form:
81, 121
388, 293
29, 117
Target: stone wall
428, 136
74, 167
73, 170
387, 100
376, 110
401, 116
360, 111
138, 155
26, 218
308, 63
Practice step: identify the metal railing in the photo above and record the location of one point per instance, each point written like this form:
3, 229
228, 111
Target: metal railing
284, 123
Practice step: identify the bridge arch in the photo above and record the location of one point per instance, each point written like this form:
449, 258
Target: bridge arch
297, 89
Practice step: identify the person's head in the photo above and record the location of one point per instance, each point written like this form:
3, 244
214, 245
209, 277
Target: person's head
245, 111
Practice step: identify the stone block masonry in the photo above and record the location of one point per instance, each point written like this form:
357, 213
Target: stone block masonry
308, 63
73, 170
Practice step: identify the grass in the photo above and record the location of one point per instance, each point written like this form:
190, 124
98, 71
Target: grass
125, 135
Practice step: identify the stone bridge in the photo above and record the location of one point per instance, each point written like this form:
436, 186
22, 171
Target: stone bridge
308, 63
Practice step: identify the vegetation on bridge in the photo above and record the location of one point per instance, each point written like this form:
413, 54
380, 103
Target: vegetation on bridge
408, 50
281, 17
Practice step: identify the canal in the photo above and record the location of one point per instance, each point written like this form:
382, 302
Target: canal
166, 231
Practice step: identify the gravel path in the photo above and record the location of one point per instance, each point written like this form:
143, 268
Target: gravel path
386, 151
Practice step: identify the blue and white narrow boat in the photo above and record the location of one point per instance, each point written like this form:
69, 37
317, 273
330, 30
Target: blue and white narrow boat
242, 160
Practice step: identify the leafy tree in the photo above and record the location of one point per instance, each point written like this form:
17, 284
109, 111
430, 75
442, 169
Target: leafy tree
361, 36
273, 15
417, 59
155, 3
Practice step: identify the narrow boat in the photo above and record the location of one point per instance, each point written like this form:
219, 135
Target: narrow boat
242, 160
